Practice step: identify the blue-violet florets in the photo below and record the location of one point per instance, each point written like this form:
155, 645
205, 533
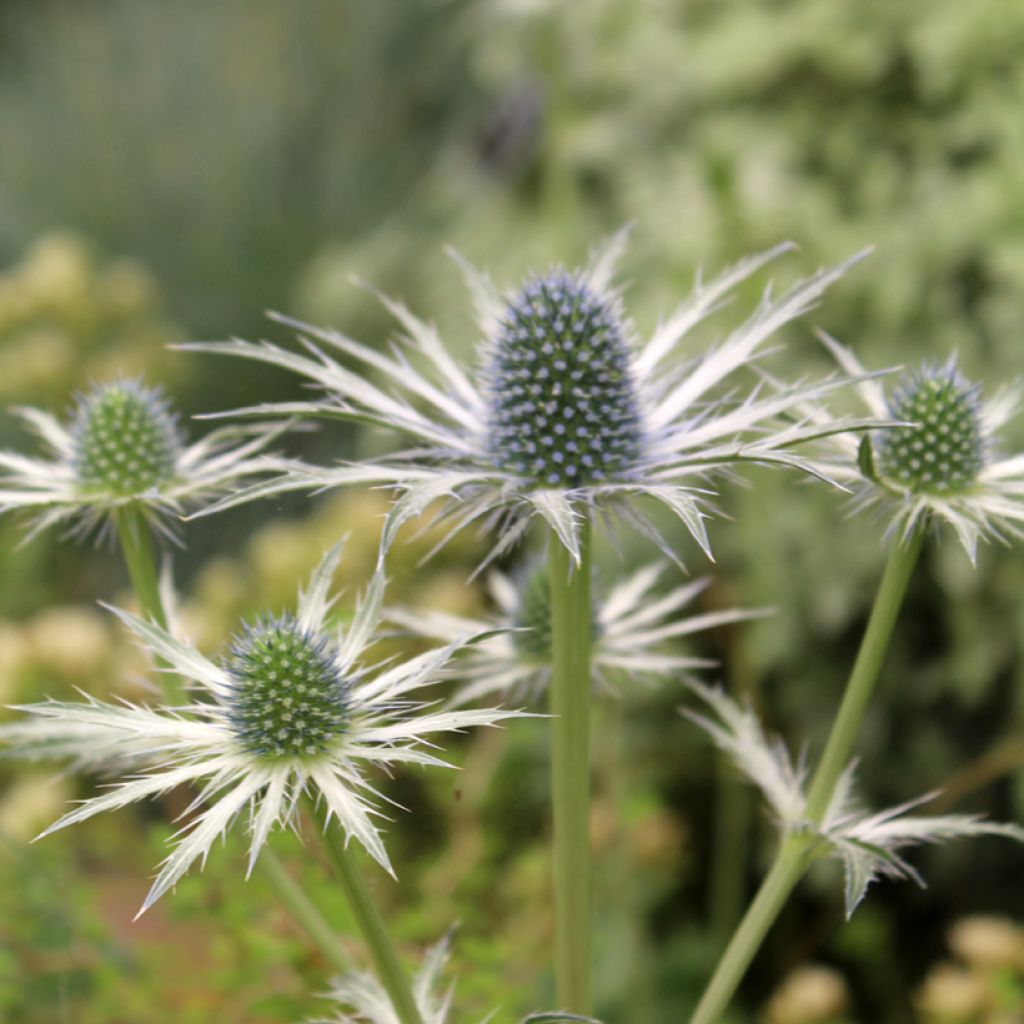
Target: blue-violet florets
563, 404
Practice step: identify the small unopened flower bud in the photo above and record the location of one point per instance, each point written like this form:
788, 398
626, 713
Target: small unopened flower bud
564, 410
288, 699
126, 439
943, 452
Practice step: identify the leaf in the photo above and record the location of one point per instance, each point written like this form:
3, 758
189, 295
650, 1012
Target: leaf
866, 459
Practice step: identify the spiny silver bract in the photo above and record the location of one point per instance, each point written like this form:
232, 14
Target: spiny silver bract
126, 439
943, 452
288, 699
563, 404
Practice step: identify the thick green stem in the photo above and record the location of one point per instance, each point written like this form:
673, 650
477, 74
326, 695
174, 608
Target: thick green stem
798, 848
789, 865
364, 910
303, 911
571, 626
861, 684
137, 547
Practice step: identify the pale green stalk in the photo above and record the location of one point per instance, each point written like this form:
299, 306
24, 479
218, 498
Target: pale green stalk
303, 911
571, 625
133, 533
799, 848
137, 547
364, 910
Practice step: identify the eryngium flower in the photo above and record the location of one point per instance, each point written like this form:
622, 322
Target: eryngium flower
567, 410
867, 843
290, 710
633, 629
123, 445
944, 462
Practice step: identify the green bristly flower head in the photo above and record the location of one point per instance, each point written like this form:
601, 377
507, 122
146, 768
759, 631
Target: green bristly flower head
532, 637
943, 452
288, 699
126, 439
563, 403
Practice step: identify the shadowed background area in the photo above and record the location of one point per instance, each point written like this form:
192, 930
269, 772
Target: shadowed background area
171, 171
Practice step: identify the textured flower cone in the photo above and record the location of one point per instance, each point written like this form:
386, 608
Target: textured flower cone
564, 409
126, 440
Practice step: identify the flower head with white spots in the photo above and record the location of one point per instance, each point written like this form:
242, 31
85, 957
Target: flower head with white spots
291, 710
567, 412
943, 462
123, 446
633, 630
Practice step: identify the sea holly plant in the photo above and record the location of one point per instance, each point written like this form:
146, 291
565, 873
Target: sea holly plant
568, 416
632, 627
938, 461
946, 466
292, 712
121, 461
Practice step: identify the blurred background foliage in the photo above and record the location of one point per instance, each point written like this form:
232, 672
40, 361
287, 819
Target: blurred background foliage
171, 170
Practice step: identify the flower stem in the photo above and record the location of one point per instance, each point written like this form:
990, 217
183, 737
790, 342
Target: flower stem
571, 628
303, 911
799, 848
137, 548
140, 560
136, 541
385, 959
789, 865
902, 559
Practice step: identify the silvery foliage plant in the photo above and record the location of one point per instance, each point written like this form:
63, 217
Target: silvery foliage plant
568, 415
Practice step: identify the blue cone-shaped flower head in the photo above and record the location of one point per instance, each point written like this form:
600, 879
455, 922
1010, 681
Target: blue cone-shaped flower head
567, 411
126, 439
288, 699
563, 403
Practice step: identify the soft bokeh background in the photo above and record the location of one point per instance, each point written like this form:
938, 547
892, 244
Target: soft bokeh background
169, 171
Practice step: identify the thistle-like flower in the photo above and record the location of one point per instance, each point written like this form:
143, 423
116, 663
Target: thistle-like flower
123, 445
944, 462
868, 844
290, 710
566, 413
631, 629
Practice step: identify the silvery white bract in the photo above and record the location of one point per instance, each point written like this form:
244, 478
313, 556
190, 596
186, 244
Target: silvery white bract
291, 710
631, 628
945, 462
566, 412
868, 844
365, 1001
124, 446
